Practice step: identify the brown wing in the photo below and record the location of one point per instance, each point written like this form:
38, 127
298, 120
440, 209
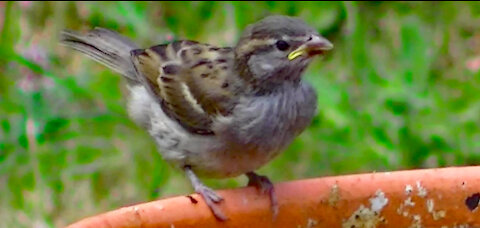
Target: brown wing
192, 81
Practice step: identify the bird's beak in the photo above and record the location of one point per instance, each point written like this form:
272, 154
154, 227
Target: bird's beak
316, 45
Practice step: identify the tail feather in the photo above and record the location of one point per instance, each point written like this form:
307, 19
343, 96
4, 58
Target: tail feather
104, 46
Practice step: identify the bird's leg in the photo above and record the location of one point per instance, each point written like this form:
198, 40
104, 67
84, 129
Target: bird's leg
211, 198
266, 187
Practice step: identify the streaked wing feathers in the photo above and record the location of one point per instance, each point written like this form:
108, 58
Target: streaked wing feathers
191, 80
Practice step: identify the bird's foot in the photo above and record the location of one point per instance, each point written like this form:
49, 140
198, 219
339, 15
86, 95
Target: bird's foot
211, 197
266, 187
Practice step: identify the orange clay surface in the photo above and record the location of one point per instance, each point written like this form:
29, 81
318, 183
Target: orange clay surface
446, 197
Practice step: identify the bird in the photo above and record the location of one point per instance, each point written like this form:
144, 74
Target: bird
217, 111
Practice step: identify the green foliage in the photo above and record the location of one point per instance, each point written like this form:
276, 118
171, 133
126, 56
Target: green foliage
395, 93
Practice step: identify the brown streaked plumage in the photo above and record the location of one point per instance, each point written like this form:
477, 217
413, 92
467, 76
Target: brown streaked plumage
189, 78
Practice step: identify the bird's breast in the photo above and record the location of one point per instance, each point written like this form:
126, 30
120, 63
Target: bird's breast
262, 126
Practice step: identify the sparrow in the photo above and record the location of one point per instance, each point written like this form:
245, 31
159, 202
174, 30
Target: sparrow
217, 112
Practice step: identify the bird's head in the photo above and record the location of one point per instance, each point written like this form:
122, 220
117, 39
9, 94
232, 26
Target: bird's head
277, 49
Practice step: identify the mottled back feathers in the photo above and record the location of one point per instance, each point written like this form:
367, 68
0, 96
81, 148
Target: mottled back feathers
193, 81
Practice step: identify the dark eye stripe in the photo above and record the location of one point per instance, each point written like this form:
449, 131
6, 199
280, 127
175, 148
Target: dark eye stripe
260, 48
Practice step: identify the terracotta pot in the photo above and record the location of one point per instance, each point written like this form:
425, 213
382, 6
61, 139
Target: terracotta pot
447, 197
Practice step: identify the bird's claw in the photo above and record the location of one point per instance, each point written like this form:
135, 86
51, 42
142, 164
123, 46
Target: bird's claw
211, 197
265, 186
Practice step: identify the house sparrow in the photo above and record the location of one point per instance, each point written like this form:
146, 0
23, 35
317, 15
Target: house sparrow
217, 112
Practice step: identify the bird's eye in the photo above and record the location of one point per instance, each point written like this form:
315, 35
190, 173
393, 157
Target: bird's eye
282, 45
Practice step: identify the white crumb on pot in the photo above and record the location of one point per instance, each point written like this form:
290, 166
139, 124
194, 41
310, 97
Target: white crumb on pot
430, 205
417, 222
408, 202
311, 223
368, 217
402, 209
435, 214
408, 189
378, 201
439, 215
422, 192
334, 195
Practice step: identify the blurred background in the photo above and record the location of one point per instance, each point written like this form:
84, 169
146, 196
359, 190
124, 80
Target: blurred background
401, 90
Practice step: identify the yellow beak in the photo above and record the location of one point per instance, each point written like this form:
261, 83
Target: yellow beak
314, 46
